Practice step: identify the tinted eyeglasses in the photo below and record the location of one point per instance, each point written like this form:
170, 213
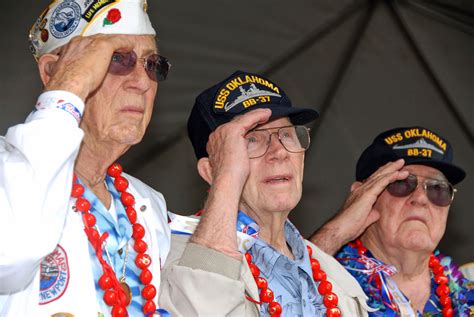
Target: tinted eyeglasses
294, 139
439, 192
156, 66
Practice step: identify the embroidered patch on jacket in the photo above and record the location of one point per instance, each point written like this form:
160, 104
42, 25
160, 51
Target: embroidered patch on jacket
54, 276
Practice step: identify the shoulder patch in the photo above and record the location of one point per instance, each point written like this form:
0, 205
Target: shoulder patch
54, 276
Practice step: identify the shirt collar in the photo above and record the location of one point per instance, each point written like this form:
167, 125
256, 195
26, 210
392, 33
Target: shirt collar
265, 256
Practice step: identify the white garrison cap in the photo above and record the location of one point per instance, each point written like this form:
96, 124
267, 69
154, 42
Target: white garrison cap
64, 19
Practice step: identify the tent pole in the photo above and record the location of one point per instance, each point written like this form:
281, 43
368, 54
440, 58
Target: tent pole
343, 66
320, 32
157, 148
449, 102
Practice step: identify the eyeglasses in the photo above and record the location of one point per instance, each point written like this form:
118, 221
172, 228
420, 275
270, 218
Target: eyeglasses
156, 66
295, 139
439, 192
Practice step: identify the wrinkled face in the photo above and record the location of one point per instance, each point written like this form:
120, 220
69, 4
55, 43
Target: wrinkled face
411, 222
275, 180
120, 109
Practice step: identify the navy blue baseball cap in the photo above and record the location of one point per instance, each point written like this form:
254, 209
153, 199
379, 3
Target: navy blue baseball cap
236, 95
416, 145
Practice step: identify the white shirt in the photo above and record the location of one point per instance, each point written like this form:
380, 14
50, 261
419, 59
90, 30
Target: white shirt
37, 219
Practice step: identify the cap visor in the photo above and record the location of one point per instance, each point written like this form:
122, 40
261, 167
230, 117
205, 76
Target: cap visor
296, 115
453, 173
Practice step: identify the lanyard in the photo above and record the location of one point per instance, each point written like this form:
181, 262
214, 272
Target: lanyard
247, 229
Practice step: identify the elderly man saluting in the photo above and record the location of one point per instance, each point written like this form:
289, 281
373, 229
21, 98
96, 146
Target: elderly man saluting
97, 251
245, 257
395, 258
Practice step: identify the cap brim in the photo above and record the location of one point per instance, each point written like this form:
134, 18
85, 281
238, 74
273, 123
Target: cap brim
453, 173
296, 115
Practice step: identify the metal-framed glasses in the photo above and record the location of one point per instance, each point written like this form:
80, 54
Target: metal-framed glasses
156, 66
439, 192
295, 139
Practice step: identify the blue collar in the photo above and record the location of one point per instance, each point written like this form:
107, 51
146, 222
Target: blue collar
105, 222
297, 245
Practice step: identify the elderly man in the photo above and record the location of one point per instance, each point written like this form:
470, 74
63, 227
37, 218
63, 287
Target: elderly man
394, 259
98, 250
250, 143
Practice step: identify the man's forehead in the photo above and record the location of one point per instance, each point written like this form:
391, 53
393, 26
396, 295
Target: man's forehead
424, 171
275, 123
146, 43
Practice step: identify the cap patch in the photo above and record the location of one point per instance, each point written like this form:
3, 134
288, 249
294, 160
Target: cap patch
243, 91
95, 7
416, 145
39, 28
44, 35
416, 142
112, 17
65, 19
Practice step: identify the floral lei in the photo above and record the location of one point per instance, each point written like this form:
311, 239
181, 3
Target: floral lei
462, 291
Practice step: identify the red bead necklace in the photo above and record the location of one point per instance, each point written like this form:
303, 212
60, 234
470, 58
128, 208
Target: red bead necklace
442, 290
117, 293
274, 308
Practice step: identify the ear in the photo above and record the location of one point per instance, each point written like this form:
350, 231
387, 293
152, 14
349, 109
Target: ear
205, 169
355, 185
46, 66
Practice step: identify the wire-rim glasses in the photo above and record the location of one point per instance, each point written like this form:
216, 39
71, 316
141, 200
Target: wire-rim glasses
156, 66
294, 138
439, 192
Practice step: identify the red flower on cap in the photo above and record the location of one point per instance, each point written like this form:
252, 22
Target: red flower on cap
113, 16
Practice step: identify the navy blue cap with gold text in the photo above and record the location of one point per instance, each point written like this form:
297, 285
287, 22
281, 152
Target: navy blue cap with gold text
235, 95
416, 145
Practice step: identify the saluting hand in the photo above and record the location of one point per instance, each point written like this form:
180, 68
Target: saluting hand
227, 146
226, 170
81, 65
358, 211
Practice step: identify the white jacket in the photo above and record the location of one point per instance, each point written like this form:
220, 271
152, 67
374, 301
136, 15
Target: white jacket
37, 222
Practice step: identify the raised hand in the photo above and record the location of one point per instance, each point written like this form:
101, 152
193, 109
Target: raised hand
227, 146
357, 212
226, 170
81, 65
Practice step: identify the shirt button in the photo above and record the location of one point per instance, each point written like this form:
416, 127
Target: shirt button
142, 208
288, 266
